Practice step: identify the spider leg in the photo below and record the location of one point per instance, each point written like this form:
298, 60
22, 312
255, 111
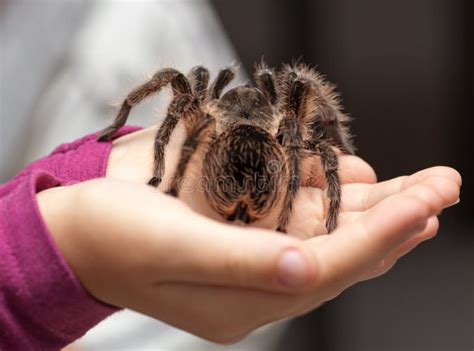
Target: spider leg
332, 128
179, 84
330, 166
315, 128
199, 78
265, 80
224, 77
290, 135
190, 146
325, 107
179, 107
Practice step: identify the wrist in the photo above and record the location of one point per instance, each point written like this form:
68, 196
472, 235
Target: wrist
57, 209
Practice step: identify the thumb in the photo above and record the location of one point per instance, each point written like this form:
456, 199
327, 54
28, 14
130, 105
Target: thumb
158, 238
203, 251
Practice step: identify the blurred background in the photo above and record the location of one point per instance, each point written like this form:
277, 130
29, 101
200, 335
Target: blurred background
404, 69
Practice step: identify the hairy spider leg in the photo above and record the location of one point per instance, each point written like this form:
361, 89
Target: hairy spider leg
329, 120
290, 135
265, 80
180, 107
306, 105
330, 166
199, 79
192, 142
224, 77
179, 84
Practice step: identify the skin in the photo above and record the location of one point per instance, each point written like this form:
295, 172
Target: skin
132, 246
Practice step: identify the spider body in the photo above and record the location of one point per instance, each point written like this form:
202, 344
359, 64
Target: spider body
255, 137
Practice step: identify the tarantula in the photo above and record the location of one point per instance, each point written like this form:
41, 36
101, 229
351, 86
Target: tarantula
286, 116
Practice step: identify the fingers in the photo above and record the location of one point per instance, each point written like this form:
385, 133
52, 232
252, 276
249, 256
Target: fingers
401, 250
432, 226
352, 169
440, 171
360, 197
352, 251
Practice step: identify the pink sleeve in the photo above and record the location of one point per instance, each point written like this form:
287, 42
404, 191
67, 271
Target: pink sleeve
42, 304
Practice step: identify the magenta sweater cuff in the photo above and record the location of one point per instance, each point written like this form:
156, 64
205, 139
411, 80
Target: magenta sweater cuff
43, 306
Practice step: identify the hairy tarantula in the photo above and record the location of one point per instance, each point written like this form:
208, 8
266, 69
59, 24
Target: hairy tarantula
256, 136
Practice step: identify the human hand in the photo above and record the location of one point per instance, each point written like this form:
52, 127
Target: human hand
134, 247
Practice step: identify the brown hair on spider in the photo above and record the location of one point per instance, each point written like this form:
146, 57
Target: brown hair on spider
256, 136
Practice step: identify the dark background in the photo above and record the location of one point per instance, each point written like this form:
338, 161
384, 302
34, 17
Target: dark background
404, 69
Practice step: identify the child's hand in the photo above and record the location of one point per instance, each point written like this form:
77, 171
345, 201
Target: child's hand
134, 247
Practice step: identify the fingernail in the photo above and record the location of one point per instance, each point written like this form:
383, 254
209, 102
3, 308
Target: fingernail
292, 269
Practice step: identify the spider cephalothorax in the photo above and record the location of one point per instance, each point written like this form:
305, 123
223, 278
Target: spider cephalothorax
255, 136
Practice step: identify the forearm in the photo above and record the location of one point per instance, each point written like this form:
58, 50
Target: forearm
43, 304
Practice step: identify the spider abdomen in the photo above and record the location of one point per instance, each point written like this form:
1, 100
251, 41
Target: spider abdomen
245, 172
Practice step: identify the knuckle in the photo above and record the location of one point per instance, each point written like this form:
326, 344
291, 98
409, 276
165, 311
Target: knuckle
433, 227
424, 192
384, 266
427, 196
416, 207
